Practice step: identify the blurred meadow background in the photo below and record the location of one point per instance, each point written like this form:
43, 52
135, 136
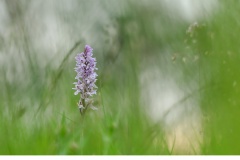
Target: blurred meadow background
168, 81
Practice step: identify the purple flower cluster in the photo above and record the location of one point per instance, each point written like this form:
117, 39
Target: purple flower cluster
86, 75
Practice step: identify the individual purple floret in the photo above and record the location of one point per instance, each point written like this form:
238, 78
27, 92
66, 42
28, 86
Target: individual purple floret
86, 77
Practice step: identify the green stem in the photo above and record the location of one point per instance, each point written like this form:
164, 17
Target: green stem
83, 110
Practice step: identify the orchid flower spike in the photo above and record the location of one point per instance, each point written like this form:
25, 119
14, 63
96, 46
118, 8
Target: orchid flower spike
86, 78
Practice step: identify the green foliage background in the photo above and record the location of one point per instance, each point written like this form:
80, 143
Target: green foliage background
38, 111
